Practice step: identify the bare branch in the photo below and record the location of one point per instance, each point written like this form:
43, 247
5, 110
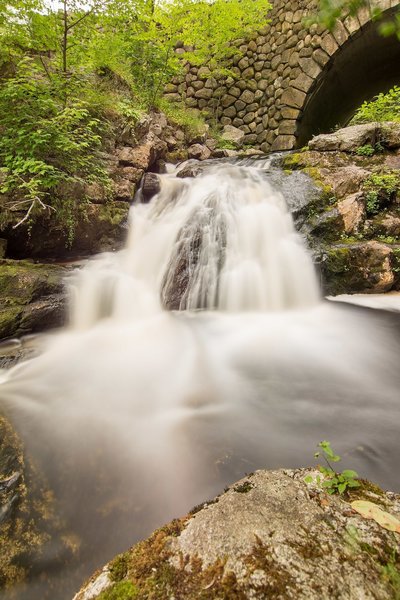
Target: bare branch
26, 216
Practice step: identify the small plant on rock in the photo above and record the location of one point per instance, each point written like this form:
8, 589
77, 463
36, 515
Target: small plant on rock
366, 150
334, 482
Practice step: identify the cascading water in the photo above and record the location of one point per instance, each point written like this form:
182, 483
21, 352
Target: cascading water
136, 413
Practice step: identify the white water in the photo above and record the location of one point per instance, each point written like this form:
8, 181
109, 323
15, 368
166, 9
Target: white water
228, 233
136, 413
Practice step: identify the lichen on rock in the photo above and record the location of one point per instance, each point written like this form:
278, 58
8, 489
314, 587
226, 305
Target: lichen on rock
281, 538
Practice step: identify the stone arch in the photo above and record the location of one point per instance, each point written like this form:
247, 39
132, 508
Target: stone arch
364, 64
287, 78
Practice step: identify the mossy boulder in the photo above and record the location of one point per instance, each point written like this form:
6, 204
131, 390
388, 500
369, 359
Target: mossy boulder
32, 297
271, 535
99, 228
360, 267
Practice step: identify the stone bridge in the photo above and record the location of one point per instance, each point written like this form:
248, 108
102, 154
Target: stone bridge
291, 82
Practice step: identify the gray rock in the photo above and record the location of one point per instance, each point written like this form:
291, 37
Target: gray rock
233, 134
199, 151
347, 139
150, 186
270, 535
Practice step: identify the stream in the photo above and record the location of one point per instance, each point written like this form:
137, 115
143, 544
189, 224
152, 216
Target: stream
202, 351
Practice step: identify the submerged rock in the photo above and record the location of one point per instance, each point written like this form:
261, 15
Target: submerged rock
271, 535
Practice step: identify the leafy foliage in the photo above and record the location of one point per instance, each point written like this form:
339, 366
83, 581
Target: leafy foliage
330, 11
70, 66
366, 150
333, 481
384, 107
45, 141
380, 189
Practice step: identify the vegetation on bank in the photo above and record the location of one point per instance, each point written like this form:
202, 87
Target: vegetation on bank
384, 107
69, 70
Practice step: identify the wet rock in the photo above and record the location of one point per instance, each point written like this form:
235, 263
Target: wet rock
199, 152
100, 228
150, 186
360, 267
32, 297
358, 250
19, 531
191, 168
270, 535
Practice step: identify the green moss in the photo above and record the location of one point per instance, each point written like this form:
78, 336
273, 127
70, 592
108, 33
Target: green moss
10, 318
119, 567
112, 214
176, 156
278, 580
244, 487
123, 590
293, 161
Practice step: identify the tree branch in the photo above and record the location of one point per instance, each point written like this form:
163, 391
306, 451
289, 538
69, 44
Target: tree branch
72, 25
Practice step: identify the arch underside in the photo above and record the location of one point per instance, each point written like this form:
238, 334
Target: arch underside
364, 66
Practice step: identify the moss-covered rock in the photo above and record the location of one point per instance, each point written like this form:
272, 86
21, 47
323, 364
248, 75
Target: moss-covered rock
357, 267
354, 224
31, 297
100, 227
268, 536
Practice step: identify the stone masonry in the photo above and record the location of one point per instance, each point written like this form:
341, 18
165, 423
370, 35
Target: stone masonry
274, 74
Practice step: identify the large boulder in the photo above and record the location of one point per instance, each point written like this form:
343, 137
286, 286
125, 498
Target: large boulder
350, 139
271, 535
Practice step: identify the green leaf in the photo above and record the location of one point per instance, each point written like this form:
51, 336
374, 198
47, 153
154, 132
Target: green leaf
349, 474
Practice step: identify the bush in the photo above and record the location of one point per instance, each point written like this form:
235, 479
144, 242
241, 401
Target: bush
48, 139
380, 190
384, 107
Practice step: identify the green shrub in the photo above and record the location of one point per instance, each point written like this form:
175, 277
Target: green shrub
49, 139
380, 189
366, 150
179, 114
384, 107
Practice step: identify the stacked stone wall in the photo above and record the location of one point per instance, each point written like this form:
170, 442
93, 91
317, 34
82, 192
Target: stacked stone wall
273, 75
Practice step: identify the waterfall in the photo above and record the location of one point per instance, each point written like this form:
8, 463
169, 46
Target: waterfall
222, 241
137, 411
